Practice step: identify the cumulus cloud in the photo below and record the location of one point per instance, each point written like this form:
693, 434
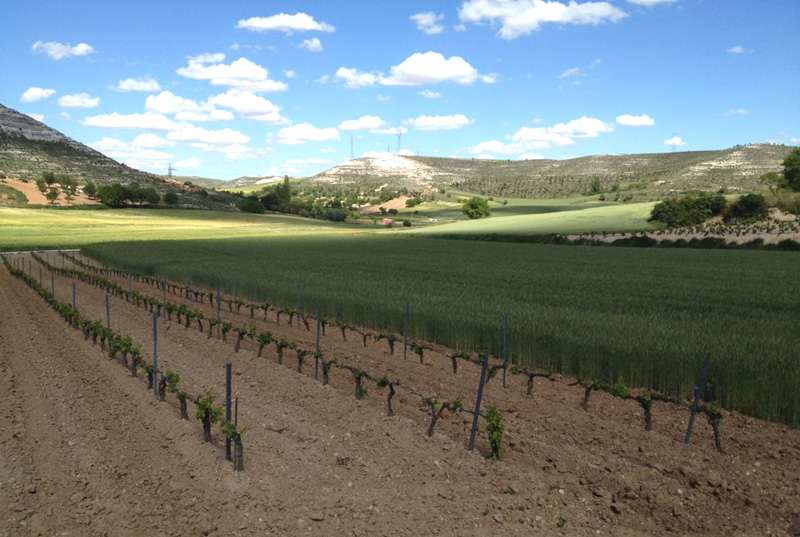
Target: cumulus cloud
416, 70
530, 156
289, 73
249, 105
140, 157
428, 22
431, 68
191, 162
628, 120
241, 73
439, 123
736, 49
282, 22
390, 130
206, 139
737, 112
522, 17
362, 123
79, 100
34, 94
151, 141
306, 132
137, 84
167, 102
428, 94
59, 51
146, 121
574, 71
37, 117
311, 45
538, 138
675, 141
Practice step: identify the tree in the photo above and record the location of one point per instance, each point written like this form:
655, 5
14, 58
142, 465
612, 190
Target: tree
775, 181
748, 207
791, 169
49, 178
171, 199
476, 208
70, 186
41, 184
90, 189
52, 195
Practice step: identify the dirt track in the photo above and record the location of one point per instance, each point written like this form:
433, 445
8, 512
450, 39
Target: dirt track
104, 458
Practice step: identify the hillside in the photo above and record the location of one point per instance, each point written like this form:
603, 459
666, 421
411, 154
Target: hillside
637, 177
29, 147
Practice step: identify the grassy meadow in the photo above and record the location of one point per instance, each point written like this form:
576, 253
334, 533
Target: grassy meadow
642, 316
46, 228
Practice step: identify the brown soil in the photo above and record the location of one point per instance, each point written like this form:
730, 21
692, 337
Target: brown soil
37, 198
86, 450
396, 203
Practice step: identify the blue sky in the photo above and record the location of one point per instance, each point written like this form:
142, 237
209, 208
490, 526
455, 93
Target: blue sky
261, 88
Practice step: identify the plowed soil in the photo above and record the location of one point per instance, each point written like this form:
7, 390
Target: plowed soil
86, 450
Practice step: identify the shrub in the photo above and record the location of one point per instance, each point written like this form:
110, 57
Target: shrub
476, 208
251, 205
406, 223
692, 209
90, 189
171, 199
748, 207
791, 169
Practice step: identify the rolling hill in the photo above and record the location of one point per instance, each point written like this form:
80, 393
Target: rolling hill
636, 177
29, 147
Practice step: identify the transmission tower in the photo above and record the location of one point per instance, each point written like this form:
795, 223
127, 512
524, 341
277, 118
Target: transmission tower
170, 169
352, 149
399, 135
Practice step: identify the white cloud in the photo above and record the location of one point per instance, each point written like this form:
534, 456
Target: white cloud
306, 132
146, 121
151, 141
289, 73
241, 73
650, 3
431, 68
282, 22
249, 105
137, 84
191, 162
34, 94
428, 22
416, 70
65, 115
167, 102
37, 117
79, 100
428, 94
384, 98
353, 78
537, 138
207, 139
327, 150
485, 156
311, 45
595, 63
439, 123
522, 17
109, 144
737, 112
736, 49
59, 51
362, 123
530, 156
574, 71
628, 120
675, 141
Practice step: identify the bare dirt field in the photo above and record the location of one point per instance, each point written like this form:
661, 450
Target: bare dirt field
36, 197
86, 450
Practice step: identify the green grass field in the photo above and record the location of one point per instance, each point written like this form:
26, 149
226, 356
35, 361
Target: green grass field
551, 219
26, 228
642, 316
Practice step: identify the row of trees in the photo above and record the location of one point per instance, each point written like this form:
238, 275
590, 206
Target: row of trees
697, 207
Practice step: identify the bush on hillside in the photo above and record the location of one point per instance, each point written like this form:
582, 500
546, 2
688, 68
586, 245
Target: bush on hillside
749, 207
476, 208
692, 209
